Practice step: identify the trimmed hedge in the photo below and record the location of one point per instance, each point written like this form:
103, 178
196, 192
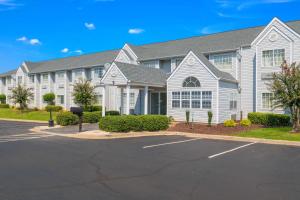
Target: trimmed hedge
269, 119
112, 112
92, 108
91, 117
53, 108
126, 123
229, 123
66, 118
4, 106
245, 122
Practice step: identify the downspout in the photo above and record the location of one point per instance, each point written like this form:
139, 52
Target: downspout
240, 80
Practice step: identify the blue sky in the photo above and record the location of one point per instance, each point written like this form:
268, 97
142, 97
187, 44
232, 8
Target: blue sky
41, 30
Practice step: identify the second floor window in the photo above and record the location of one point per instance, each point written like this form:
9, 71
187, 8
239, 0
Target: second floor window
78, 74
273, 58
99, 72
20, 79
60, 75
31, 78
223, 61
8, 81
45, 78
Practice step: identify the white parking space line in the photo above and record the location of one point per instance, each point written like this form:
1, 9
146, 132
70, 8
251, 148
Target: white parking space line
240, 147
20, 137
169, 143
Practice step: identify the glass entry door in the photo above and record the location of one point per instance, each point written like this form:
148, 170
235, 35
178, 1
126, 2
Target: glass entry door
158, 103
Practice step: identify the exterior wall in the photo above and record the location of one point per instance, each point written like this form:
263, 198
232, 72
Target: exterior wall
225, 90
234, 67
285, 40
191, 66
247, 83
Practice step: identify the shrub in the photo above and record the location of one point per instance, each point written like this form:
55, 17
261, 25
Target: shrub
49, 98
210, 115
2, 98
112, 112
126, 123
187, 116
53, 108
91, 117
229, 123
4, 106
269, 119
66, 118
245, 122
92, 108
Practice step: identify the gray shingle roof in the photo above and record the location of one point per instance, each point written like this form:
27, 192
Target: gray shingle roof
8, 73
142, 74
88, 60
224, 41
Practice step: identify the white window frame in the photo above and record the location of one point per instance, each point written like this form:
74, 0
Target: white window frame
263, 101
132, 100
220, 60
233, 101
273, 58
19, 79
43, 78
98, 75
8, 81
98, 99
78, 74
60, 75
31, 79
191, 99
60, 98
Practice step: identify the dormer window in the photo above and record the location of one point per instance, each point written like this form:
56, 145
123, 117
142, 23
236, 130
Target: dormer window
45, 78
223, 61
273, 58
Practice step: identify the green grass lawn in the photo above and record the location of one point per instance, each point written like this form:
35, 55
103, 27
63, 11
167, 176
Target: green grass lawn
9, 113
282, 133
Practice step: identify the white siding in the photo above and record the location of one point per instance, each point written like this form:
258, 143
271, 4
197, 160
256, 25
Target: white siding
208, 83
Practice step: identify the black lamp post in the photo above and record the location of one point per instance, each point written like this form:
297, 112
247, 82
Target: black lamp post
51, 122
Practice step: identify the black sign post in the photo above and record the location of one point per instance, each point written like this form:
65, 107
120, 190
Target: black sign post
79, 112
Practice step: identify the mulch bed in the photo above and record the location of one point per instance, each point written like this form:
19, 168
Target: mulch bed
219, 129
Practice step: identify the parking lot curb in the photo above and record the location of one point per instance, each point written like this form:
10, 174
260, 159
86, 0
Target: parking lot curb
23, 120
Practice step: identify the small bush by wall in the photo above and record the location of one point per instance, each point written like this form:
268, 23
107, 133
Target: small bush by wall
53, 108
245, 122
92, 108
66, 118
269, 119
126, 123
229, 123
4, 106
91, 117
112, 112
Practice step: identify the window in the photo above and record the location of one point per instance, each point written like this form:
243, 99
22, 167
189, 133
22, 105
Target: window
61, 99
273, 58
185, 99
60, 75
223, 61
45, 78
233, 101
267, 100
175, 99
150, 64
78, 73
99, 72
8, 80
20, 79
191, 82
98, 100
206, 99
31, 78
196, 99
131, 100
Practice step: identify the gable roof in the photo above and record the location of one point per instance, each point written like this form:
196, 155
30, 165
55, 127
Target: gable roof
74, 62
225, 41
142, 74
9, 73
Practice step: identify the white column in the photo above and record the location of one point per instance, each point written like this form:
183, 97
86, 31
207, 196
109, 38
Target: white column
103, 101
146, 100
127, 99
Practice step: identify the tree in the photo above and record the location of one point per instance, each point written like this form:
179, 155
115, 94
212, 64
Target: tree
83, 93
285, 86
21, 95
49, 98
2, 98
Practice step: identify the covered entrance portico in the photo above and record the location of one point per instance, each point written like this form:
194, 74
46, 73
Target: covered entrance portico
138, 89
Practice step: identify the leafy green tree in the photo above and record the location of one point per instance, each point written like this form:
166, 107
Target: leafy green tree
285, 86
22, 96
2, 98
49, 98
83, 93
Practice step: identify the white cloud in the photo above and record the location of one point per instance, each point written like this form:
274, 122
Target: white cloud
32, 41
90, 26
8, 5
35, 41
65, 50
78, 51
136, 31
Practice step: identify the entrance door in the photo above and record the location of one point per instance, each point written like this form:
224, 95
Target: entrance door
158, 103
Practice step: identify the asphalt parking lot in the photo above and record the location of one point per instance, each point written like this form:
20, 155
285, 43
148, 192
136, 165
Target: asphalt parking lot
172, 167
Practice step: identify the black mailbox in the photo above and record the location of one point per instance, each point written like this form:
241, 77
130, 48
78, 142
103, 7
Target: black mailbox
79, 112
